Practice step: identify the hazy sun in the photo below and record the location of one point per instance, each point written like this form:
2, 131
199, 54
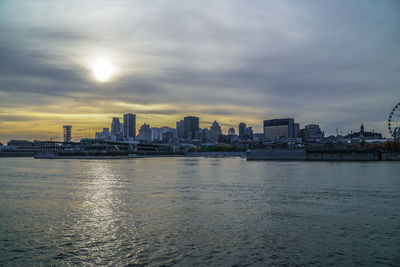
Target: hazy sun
102, 70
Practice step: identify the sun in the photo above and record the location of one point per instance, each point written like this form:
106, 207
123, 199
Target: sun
102, 70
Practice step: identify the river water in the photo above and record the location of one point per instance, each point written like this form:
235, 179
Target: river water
198, 211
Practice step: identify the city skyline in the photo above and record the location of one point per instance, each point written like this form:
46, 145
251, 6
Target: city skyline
334, 64
117, 127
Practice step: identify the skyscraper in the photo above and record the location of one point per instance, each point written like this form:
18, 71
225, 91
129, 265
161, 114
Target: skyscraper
242, 129
115, 126
180, 128
129, 126
191, 128
215, 132
67, 133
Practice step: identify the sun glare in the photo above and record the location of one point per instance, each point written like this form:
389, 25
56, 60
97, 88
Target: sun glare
102, 70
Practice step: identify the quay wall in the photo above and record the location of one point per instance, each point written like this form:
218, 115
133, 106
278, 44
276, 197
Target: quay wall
317, 155
277, 154
343, 155
391, 156
16, 154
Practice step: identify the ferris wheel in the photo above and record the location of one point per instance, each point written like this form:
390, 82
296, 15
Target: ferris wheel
394, 121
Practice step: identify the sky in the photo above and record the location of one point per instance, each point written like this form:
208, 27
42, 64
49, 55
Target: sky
335, 63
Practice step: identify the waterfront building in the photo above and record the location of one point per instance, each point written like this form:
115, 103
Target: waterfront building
144, 133
180, 128
362, 134
312, 132
231, 131
215, 132
242, 130
67, 133
19, 143
279, 128
191, 128
129, 127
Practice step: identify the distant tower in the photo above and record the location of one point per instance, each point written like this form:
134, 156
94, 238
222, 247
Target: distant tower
362, 128
180, 128
129, 126
115, 126
67, 133
242, 129
191, 127
215, 132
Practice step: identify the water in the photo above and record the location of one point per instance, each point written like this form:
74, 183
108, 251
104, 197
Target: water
198, 211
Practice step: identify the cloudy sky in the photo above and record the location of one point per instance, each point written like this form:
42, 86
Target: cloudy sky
335, 63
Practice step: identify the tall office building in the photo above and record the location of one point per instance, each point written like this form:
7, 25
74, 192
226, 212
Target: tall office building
242, 129
191, 128
67, 133
280, 128
180, 128
115, 126
129, 126
215, 132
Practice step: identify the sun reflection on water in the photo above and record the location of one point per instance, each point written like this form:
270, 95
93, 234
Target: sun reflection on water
102, 221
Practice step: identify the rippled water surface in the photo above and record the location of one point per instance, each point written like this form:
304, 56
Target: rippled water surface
198, 211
